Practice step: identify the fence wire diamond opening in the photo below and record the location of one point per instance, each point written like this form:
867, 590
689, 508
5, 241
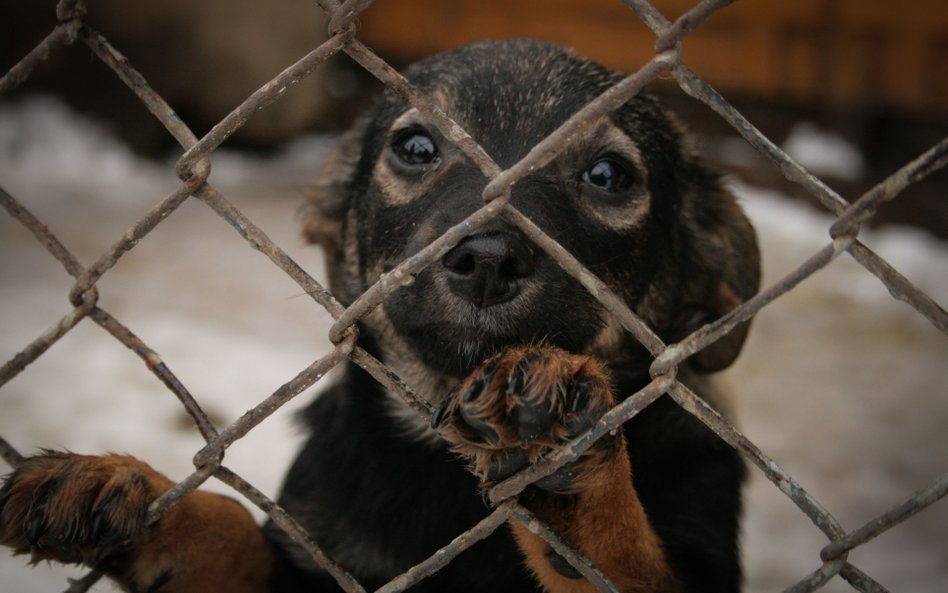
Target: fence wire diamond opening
193, 168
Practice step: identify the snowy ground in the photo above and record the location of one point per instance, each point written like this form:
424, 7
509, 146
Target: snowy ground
841, 385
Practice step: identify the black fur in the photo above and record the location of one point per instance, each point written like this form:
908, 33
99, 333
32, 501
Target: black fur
380, 502
359, 483
380, 499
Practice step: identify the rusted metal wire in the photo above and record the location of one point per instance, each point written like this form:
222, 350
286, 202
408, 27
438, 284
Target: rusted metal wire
39, 230
866, 206
649, 15
629, 320
264, 409
343, 17
85, 583
41, 344
713, 331
688, 22
571, 451
87, 307
70, 14
817, 578
193, 167
158, 107
186, 486
158, 367
820, 517
446, 554
37, 347
792, 170
262, 97
425, 104
288, 524
391, 381
405, 272
9, 453
259, 241
923, 499
900, 287
897, 284
592, 574
551, 146
130, 239
860, 580
15, 76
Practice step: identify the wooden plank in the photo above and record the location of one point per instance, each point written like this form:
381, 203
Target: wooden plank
826, 51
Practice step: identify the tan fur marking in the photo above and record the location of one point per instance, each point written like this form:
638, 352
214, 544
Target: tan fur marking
210, 542
396, 189
608, 340
607, 524
607, 137
599, 514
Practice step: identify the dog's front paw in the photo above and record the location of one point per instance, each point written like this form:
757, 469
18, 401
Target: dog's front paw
76, 508
523, 403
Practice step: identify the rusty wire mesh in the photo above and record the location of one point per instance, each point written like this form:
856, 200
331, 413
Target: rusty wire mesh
193, 169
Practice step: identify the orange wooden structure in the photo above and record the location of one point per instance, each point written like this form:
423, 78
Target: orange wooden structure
874, 53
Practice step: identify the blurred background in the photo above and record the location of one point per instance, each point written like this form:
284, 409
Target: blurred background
844, 386
874, 72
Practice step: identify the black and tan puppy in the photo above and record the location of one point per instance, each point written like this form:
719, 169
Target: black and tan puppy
515, 354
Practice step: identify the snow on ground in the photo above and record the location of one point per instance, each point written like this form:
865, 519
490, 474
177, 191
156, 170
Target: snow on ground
840, 384
824, 153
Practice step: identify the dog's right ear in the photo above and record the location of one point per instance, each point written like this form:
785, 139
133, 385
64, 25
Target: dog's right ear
328, 204
328, 199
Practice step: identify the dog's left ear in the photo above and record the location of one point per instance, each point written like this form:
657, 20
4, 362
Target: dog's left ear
722, 248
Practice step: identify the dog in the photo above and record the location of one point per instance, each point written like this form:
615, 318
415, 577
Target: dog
515, 355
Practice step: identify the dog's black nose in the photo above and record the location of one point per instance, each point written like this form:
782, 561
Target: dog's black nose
488, 269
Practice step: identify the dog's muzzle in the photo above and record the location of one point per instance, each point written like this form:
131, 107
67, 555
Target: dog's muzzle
489, 268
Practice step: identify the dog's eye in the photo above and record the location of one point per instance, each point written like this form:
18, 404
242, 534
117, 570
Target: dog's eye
609, 174
415, 147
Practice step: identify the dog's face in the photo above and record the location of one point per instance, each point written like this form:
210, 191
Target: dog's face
626, 198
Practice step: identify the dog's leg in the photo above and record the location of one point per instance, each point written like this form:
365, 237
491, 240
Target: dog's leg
525, 402
91, 510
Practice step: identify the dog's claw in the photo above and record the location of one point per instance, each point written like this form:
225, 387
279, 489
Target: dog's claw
481, 427
440, 413
507, 463
37, 528
100, 525
37, 513
476, 388
517, 379
580, 393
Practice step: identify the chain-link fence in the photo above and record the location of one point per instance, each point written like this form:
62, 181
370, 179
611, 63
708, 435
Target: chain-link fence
193, 169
